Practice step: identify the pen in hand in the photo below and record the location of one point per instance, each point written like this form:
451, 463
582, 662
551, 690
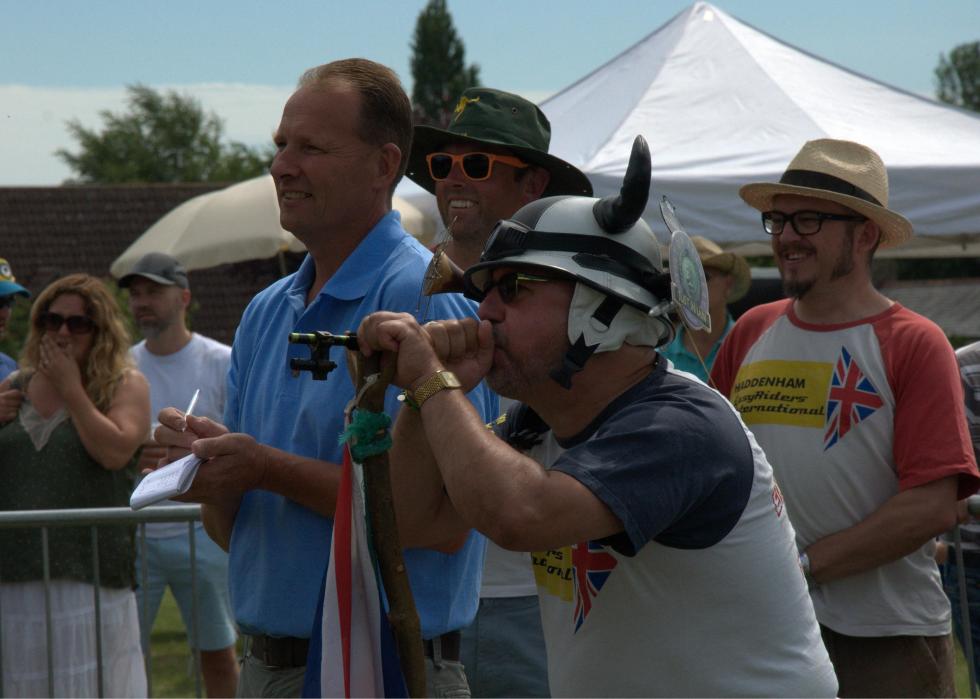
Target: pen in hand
190, 407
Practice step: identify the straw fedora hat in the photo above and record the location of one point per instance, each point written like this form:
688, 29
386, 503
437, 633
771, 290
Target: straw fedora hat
713, 257
840, 171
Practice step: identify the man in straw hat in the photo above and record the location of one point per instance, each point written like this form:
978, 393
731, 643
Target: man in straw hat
857, 403
728, 276
490, 161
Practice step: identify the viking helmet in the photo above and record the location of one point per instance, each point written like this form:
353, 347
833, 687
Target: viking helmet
622, 293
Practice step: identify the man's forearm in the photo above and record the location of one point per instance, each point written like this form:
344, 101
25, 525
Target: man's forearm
310, 482
426, 516
219, 521
899, 527
494, 488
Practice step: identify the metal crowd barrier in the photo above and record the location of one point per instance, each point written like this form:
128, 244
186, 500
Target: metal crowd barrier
973, 507
115, 516
108, 516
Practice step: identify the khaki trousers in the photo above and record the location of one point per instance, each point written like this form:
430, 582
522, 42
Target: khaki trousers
891, 666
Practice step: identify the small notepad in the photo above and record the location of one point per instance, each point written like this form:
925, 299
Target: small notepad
173, 479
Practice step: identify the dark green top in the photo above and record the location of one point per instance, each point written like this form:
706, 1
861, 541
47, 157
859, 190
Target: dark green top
62, 475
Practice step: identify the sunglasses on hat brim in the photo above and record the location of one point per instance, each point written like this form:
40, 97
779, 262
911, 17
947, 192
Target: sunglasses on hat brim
476, 166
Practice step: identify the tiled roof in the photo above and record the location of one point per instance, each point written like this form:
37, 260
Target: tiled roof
48, 232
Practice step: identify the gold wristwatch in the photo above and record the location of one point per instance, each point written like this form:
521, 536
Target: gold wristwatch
439, 381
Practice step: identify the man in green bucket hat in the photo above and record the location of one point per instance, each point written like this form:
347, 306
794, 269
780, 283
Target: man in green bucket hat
490, 161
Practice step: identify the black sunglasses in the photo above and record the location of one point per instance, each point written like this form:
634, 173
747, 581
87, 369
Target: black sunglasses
476, 166
7, 301
803, 222
77, 325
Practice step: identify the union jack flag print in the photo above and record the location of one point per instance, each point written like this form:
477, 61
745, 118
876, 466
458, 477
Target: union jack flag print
852, 398
591, 565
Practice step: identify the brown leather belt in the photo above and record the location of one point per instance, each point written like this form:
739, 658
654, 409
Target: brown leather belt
279, 652
448, 646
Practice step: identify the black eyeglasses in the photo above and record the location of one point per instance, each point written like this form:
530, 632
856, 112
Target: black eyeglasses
803, 222
509, 285
7, 301
476, 166
77, 325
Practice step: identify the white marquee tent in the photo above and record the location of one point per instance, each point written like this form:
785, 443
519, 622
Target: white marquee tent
722, 104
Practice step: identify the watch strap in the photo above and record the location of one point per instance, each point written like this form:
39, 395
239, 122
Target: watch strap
439, 381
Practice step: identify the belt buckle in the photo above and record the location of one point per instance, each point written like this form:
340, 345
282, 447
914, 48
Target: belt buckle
449, 647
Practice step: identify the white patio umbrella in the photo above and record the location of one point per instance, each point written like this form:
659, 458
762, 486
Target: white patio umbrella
235, 224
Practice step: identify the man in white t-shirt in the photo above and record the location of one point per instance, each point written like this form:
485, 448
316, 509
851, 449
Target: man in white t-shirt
177, 363
663, 556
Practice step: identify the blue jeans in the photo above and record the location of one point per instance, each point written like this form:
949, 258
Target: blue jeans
503, 649
971, 567
168, 564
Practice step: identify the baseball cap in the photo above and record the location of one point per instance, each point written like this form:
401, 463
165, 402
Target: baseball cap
8, 284
157, 267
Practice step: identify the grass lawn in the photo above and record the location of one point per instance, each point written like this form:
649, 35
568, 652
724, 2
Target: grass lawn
962, 673
172, 671
173, 674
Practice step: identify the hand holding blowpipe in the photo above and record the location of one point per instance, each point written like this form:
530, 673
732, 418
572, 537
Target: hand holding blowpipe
371, 382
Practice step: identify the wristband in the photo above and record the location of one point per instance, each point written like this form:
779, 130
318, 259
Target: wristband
407, 399
805, 567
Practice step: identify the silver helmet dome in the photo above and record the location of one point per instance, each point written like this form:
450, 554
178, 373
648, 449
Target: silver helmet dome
622, 292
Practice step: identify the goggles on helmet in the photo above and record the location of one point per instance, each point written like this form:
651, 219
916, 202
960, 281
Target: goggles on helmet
510, 239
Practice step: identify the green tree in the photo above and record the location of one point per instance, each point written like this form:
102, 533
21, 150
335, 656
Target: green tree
439, 70
13, 339
161, 138
958, 77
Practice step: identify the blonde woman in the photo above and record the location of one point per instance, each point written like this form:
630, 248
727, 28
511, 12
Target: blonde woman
72, 444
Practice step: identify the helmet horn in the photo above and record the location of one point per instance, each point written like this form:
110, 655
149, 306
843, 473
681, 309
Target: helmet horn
616, 214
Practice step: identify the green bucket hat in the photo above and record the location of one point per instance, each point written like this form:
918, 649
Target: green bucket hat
491, 117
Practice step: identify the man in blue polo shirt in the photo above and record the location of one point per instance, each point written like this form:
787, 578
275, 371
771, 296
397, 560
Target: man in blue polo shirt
270, 487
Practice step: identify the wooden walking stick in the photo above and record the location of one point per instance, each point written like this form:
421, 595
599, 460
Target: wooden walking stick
371, 383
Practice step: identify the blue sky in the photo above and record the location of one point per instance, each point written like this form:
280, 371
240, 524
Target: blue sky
67, 59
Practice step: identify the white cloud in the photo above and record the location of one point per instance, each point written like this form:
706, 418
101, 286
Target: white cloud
32, 121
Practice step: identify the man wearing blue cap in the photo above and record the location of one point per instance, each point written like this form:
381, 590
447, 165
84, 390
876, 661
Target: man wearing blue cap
9, 291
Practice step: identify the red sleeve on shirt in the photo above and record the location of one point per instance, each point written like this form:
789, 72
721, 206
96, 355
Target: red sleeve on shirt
747, 329
931, 436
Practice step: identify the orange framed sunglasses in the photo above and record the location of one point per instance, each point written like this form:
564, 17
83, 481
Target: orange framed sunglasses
476, 166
